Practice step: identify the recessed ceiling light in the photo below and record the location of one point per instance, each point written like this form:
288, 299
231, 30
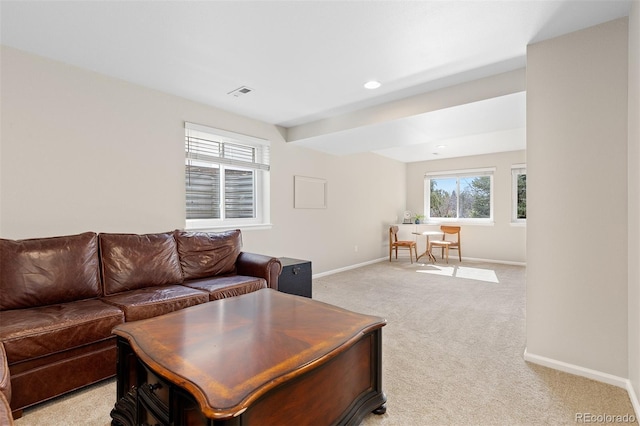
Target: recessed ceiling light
372, 84
441, 146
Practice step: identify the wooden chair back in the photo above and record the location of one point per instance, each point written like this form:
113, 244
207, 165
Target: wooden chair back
450, 230
393, 234
395, 244
445, 244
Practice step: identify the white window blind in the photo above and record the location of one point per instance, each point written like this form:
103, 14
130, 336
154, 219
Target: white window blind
224, 176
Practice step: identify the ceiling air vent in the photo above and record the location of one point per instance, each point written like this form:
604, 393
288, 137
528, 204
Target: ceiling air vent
240, 91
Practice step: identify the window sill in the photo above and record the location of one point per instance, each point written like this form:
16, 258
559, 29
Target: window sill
460, 222
256, 227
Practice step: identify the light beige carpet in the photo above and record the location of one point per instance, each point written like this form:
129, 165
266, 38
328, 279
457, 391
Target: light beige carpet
452, 353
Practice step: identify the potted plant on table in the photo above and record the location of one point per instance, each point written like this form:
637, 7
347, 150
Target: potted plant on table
419, 218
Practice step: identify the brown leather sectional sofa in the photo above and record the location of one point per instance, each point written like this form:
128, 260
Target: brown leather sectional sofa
62, 296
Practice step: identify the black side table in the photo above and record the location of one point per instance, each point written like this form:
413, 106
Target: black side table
295, 277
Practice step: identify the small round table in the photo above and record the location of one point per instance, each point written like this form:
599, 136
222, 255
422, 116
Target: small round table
426, 249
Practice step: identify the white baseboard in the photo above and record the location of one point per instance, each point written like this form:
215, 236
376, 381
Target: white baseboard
348, 268
576, 369
502, 262
370, 262
633, 396
599, 376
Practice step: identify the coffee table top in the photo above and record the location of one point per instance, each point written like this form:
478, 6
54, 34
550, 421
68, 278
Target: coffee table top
229, 352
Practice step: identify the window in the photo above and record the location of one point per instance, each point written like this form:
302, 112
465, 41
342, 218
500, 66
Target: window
464, 196
226, 178
519, 193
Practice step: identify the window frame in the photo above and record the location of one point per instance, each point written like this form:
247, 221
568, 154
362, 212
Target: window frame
457, 174
261, 176
516, 170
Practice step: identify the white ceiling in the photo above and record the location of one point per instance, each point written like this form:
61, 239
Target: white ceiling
307, 61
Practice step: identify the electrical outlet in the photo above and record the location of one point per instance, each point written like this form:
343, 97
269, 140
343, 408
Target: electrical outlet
355, 248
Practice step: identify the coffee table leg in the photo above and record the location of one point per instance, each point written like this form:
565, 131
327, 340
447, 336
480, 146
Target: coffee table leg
380, 410
126, 410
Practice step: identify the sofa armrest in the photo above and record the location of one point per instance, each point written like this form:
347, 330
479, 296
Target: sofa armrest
5, 378
259, 265
6, 419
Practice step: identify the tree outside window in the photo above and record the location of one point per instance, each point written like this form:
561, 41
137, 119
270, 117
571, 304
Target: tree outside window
519, 193
460, 197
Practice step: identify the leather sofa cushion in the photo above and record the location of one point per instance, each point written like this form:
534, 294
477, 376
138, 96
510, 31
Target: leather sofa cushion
35, 332
151, 302
47, 271
204, 254
131, 261
227, 286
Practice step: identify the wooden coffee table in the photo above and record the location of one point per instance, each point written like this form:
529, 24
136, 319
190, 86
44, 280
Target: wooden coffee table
264, 358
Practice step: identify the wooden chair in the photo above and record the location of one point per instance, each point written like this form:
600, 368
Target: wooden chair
444, 244
395, 244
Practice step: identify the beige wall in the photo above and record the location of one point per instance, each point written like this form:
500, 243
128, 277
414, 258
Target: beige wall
577, 199
501, 241
81, 151
634, 202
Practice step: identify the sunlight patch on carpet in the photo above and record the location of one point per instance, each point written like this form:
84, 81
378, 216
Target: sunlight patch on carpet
478, 274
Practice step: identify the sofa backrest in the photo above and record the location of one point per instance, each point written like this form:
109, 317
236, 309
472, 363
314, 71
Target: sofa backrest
132, 261
204, 254
46, 271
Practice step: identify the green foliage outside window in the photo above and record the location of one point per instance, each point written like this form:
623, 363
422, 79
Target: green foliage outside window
522, 196
441, 201
464, 197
